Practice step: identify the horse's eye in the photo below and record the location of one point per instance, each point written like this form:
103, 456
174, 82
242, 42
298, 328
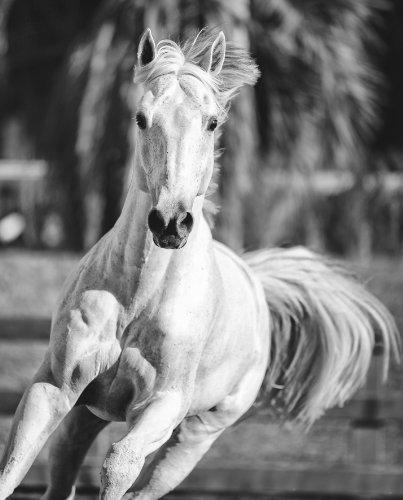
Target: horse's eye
141, 120
212, 124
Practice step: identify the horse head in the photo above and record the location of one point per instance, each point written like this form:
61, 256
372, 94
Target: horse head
184, 101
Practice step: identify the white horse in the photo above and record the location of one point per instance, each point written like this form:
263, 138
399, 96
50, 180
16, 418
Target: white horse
171, 332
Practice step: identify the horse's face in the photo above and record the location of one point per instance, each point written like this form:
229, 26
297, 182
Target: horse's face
175, 141
176, 119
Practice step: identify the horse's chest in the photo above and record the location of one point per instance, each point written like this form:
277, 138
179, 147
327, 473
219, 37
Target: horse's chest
151, 351
151, 361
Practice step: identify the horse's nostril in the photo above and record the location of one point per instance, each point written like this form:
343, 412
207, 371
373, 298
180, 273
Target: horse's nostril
163, 227
156, 221
187, 221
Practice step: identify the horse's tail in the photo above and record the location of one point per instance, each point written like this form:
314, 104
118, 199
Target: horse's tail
324, 326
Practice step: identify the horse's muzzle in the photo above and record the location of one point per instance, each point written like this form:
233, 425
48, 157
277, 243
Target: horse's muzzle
170, 232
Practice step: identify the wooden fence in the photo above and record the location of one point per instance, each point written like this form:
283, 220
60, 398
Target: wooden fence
26, 180
360, 433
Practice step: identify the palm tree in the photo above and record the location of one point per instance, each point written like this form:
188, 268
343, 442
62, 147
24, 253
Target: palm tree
34, 40
4, 10
98, 99
88, 124
318, 92
96, 151
316, 107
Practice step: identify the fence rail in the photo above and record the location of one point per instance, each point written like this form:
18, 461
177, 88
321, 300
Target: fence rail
26, 180
368, 416
24, 328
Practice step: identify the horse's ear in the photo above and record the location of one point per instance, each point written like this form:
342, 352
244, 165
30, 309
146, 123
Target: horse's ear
146, 50
213, 60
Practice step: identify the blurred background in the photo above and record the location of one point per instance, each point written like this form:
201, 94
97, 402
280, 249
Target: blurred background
312, 155
315, 150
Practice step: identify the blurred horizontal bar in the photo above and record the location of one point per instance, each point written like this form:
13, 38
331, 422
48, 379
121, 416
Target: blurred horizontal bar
92, 492
21, 170
9, 402
388, 409
282, 480
12, 328
333, 182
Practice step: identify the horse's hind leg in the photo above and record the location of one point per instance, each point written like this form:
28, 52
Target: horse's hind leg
68, 448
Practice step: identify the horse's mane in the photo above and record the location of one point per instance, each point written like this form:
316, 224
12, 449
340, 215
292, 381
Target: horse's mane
184, 59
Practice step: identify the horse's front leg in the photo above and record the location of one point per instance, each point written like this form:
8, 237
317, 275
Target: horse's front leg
147, 433
194, 437
40, 411
178, 457
68, 447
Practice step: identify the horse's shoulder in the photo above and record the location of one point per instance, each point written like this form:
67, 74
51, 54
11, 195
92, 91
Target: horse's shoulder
97, 307
84, 340
86, 320
91, 314
87, 293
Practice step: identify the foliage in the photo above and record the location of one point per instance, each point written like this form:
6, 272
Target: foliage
318, 92
89, 147
316, 106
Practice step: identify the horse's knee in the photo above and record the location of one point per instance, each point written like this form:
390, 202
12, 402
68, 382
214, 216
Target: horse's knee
119, 470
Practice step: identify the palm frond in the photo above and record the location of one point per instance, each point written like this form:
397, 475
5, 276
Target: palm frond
321, 82
82, 147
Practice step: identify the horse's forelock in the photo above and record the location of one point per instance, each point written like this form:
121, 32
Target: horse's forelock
238, 68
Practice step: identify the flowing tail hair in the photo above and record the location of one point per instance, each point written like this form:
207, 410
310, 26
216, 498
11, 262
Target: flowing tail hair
324, 326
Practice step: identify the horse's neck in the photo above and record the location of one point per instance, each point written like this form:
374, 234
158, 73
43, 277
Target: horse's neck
132, 242
133, 254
